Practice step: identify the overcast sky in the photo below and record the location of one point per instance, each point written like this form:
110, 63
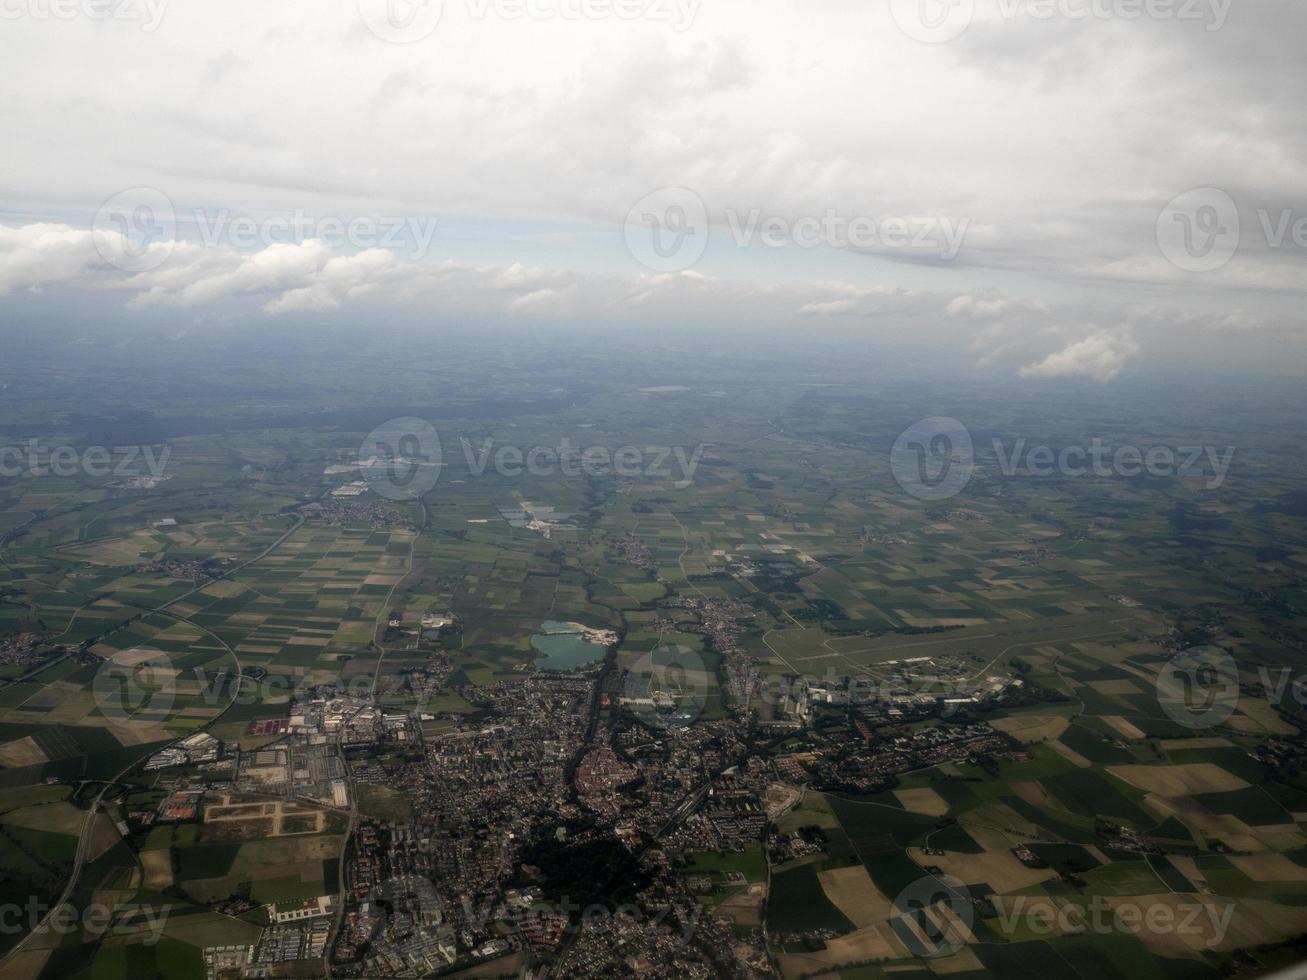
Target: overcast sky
1077, 188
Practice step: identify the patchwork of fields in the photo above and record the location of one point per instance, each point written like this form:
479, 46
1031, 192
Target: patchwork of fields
240, 583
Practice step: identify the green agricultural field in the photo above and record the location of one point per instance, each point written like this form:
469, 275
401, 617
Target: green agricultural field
792, 553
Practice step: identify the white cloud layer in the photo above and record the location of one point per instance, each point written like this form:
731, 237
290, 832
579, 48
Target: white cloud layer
35, 255
1100, 356
984, 329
